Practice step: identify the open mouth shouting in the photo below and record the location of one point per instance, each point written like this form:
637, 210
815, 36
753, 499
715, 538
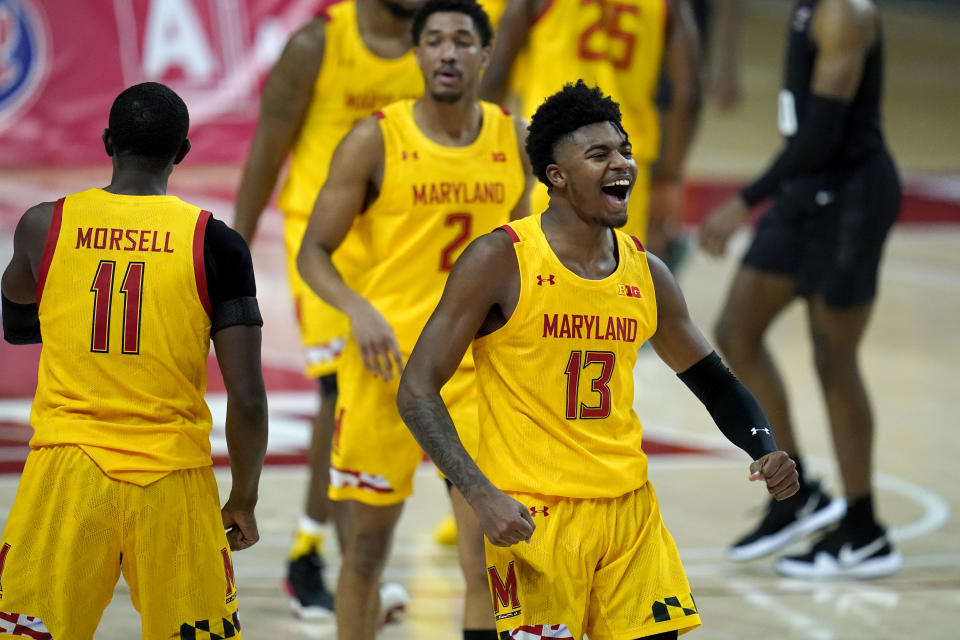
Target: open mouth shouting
617, 191
448, 75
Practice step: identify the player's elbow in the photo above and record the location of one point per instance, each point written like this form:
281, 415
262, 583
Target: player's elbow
250, 407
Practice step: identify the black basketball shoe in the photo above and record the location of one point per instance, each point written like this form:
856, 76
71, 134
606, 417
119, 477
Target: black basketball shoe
845, 552
309, 597
806, 511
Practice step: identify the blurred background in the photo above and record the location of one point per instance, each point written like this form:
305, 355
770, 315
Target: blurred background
62, 62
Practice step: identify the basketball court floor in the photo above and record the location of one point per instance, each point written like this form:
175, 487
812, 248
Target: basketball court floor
910, 358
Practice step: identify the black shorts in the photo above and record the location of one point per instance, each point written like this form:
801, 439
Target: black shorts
829, 232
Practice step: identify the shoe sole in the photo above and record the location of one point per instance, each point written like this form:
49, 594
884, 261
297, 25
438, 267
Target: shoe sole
772, 543
866, 570
310, 614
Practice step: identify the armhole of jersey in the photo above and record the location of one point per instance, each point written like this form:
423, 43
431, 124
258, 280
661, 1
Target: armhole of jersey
380, 114
666, 16
199, 268
510, 232
53, 234
543, 11
639, 245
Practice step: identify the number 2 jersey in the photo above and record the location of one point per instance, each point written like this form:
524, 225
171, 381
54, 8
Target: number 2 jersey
434, 200
125, 316
556, 381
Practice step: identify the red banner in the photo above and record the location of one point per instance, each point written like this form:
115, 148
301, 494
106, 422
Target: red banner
62, 62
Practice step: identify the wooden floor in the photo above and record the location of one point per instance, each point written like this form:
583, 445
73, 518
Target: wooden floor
911, 355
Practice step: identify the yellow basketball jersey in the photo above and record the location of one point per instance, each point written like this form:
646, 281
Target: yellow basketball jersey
353, 83
124, 313
433, 202
614, 44
556, 381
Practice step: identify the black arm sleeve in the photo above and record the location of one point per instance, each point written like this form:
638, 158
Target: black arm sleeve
813, 144
731, 405
230, 281
21, 322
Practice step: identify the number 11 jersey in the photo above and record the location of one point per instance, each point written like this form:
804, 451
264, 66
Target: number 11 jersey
556, 381
124, 313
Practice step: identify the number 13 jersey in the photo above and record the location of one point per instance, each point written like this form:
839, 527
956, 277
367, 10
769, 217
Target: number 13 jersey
556, 381
434, 200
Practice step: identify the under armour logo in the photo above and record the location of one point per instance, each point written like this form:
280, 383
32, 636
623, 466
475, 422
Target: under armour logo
755, 431
549, 280
499, 156
544, 511
412, 154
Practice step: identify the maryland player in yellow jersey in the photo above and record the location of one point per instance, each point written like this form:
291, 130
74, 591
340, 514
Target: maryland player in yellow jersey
416, 183
127, 285
559, 304
352, 59
618, 45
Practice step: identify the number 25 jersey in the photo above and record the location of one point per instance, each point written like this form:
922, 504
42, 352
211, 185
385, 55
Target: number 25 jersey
556, 381
434, 200
124, 313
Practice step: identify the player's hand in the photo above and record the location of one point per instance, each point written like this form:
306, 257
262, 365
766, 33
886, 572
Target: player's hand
377, 342
779, 472
503, 520
720, 225
240, 524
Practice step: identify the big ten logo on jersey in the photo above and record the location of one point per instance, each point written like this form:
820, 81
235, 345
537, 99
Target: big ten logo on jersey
506, 594
23, 53
628, 290
211, 52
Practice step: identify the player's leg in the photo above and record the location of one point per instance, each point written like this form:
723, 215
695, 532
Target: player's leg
60, 550
322, 332
477, 615
364, 557
640, 587
310, 598
543, 587
176, 558
762, 288
838, 314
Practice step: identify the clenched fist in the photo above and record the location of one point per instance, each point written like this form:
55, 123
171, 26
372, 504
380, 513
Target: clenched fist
779, 472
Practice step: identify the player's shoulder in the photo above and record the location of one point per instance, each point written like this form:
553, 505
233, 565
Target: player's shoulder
309, 39
35, 221
845, 13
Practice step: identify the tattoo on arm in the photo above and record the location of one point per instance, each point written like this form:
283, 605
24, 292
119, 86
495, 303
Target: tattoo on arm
428, 420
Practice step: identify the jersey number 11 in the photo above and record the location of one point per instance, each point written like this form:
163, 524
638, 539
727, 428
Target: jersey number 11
102, 288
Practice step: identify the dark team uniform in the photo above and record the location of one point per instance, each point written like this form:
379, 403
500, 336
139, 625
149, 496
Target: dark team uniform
827, 226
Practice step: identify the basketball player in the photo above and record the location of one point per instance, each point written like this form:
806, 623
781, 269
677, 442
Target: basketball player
336, 70
427, 176
620, 46
127, 285
837, 195
556, 306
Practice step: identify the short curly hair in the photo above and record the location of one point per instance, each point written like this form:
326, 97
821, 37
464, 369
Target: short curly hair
148, 120
467, 7
574, 106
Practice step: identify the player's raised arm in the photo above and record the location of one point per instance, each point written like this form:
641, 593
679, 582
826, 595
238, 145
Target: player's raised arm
511, 36
733, 408
353, 182
21, 324
286, 96
481, 292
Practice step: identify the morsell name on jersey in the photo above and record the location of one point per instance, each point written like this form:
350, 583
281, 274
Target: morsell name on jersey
114, 239
459, 193
583, 327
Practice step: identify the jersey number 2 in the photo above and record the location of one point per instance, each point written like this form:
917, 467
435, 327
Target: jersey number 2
609, 22
465, 222
581, 360
102, 288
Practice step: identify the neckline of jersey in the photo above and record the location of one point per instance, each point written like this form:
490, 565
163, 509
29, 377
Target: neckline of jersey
585, 281
103, 192
469, 149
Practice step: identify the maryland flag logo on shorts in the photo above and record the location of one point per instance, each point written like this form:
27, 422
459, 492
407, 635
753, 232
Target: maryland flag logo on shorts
673, 607
200, 630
